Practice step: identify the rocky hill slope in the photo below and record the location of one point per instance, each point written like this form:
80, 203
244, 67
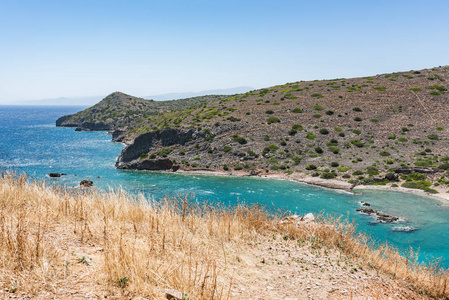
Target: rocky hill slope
351, 129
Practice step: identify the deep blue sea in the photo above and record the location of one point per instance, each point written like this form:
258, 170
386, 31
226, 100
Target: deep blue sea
30, 142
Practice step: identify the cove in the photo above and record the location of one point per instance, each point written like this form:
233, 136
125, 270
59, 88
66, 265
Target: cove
30, 143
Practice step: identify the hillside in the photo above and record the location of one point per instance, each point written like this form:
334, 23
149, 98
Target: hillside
349, 129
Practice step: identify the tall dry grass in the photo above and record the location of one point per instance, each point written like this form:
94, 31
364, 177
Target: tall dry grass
145, 247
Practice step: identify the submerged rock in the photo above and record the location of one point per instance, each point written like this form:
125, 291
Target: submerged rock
405, 228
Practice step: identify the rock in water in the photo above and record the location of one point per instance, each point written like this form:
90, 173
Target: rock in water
86, 183
405, 228
54, 175
366, 210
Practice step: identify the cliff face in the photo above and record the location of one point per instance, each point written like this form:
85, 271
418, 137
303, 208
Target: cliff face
130, 158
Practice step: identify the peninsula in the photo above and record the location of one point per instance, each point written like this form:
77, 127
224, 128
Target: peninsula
389, 129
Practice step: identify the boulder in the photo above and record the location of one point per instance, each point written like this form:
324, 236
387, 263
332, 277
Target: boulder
86, 183
173, 295
366, 210
308, 218
54, 175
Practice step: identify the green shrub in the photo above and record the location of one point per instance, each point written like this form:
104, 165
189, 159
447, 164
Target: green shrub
432, 136
164, 152
296, 160
380, 88
143, 155
389, 161
311, 167
372, 171
227, 149
318, 150
266, 138
153, 156
334, 164
324, 131
273, 120
416, 176
334, 149
292, 132
332, 142
297, 127
310, 135
316, 95
225, 167
329, 112
317, 116
252, 153
384, 153
357, 173
440, 128
328, 175
356, 131
357, 143
415, 89
343, 169
392, 137
342, 134
357, 119
444, 166
239, 140
269, 112
374, 120
317, 107
357, 109
297, 110
346, 176
402, 139
423, 163
273, 147
338, 129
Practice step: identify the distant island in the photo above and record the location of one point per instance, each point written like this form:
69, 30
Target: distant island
389, 129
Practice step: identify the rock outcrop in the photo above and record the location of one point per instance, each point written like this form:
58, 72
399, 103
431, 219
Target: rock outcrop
145, 142
381, 217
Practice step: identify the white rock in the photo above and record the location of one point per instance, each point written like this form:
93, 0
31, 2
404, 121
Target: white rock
308, 218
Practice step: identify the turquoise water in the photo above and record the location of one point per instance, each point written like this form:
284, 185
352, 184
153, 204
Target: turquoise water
30, 142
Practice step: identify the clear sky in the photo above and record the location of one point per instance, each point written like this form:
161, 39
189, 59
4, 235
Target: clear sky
93, 47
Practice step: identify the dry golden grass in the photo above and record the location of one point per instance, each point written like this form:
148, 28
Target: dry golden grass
143, 248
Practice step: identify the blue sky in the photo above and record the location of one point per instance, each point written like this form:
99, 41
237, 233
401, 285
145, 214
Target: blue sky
83, 48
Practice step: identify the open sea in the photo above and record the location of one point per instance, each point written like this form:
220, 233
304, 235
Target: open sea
31, 143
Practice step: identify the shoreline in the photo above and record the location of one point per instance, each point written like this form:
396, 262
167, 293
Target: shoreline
333, 184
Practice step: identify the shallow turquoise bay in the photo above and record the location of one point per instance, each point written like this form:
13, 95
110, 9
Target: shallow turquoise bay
30, 142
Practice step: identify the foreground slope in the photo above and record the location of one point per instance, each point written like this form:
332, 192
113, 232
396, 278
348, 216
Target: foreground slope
71, 245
